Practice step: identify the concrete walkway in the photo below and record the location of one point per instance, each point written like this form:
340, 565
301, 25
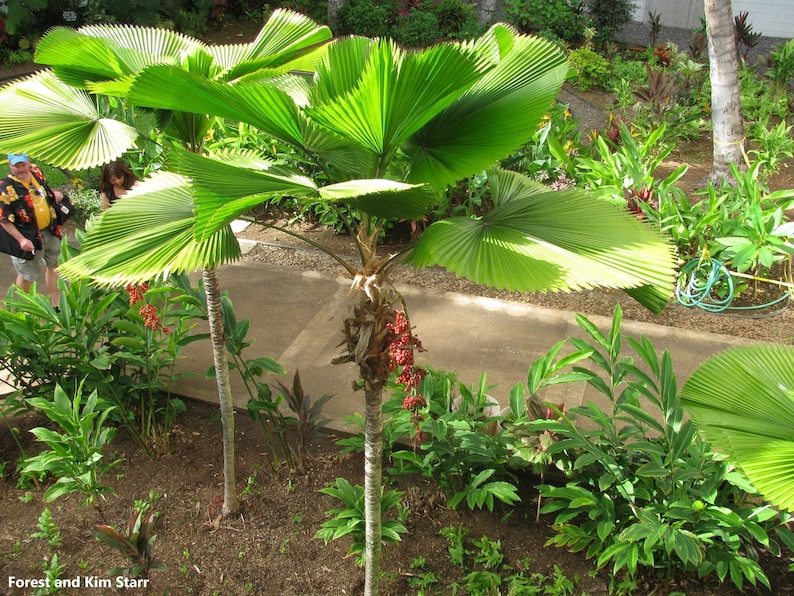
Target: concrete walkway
296, 318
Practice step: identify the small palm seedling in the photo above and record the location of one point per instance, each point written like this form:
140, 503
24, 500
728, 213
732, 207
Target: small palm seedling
135, 545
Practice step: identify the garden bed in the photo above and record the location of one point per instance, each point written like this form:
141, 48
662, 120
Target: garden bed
270, 548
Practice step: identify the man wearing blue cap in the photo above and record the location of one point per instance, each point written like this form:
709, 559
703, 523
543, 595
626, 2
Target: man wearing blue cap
27, 214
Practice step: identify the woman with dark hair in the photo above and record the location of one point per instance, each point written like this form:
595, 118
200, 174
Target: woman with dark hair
116, 179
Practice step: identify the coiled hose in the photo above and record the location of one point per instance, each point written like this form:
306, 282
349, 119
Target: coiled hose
707, 284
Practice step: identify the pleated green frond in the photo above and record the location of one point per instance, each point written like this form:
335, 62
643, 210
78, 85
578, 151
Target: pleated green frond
507, 185
263, 106
395, 93
288, 40
743, 401
224, 190
103, 52
495, 116
148, 234
552, 241
340, 71
385, 199
59, 124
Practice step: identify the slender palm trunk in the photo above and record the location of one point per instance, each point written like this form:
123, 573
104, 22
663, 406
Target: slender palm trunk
369, 342
373, 471
333, 9
220, 360
726, 107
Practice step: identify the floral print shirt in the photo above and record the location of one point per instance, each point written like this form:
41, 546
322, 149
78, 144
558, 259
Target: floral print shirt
16, 207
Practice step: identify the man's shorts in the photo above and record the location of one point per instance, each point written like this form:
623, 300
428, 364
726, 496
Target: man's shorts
31, 270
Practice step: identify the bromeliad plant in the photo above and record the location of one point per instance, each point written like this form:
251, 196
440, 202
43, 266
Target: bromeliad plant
644, 489
391, 129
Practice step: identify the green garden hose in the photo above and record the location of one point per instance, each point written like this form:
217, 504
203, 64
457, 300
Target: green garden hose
708, 284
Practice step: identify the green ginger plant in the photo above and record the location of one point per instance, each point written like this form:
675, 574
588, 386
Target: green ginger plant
75, 456
644, 489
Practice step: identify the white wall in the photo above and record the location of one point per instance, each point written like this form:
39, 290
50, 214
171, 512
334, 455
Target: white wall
772, 18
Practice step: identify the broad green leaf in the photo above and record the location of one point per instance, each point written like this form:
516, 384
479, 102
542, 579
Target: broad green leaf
743, 401
554, 241
494, 116
151, 235
59, 124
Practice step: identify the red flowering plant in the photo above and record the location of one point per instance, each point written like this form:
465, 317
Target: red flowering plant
404, 345
149, 341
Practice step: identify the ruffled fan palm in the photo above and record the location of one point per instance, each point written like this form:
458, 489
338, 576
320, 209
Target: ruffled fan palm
391, 129
743, 401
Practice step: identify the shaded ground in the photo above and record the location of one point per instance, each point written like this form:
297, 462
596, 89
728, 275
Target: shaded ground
269, 548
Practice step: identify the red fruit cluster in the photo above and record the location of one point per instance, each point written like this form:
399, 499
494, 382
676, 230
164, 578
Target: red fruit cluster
136, 292
403, 346
404, 342
151, 320
414, 402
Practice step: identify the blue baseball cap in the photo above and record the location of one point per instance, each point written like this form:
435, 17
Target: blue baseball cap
16, 158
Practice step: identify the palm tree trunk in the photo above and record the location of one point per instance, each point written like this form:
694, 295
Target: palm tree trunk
369, 341
373, 489
220, 360
333, 9
726, 107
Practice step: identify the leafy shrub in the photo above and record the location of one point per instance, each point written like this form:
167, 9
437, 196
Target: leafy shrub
548, 156
592, 69
609, 16
457, 19
644, 489
361, 17
125, 350
349, 520
87, 204
554, 19
462, 448
417, 29
75, 456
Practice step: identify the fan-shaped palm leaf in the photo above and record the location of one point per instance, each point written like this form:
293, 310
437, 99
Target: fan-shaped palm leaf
59, 124
287, 41
266, 107
228, 185
743, 401
104, 52
495, 116
555, 240
396, 92
149, 234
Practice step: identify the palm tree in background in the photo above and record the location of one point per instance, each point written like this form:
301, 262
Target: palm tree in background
391, 130
726, 107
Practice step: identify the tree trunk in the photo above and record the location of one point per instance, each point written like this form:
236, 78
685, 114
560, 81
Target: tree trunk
488, 11
726, 107
220, 360
373, 489
333, 10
